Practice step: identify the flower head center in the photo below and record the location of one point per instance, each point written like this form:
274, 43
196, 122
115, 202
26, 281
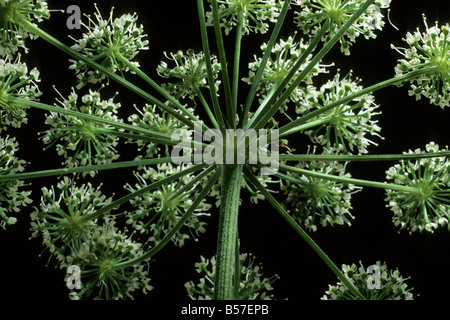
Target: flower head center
8, 11
335, 14
425, 191
107, 268
88, 130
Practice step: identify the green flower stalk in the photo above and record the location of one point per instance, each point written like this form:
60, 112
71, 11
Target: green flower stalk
106, 40
376, 282
283, 59
252, 285
427, 206
84, 142
429, 49
12, 199
152, 118
16, 81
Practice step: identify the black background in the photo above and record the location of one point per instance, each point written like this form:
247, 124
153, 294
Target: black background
173, 25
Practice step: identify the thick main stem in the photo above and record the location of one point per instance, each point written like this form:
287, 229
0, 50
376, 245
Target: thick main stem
228, 226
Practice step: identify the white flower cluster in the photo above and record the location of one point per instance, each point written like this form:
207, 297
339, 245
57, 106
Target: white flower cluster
84, 142
16, 81
61, 217
102, 275
190, 69
284, 57
310, 198
107, 42
252, 284
158, 211
11, 199
375, 282
427, 205
13, 36
346, 127
313, 13
256, 13
428, 49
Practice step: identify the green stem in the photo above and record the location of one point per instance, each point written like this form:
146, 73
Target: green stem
228, 226
100, 167
303, 234
206, 106
343, 179
237, 58
223, 63
143, 190
85, 116
58, 44
294, 125
176, 228
273, 38
348, 158
212, 87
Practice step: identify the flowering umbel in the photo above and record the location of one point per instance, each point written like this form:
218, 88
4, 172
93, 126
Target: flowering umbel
426, 205
108, 42
103, 260
63, 217
157, 212
347, 127
428, 50
16, 81
190, 69
83, 141
11, 198
376, 282
313, 13
257, 14
311, 200
12, 34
